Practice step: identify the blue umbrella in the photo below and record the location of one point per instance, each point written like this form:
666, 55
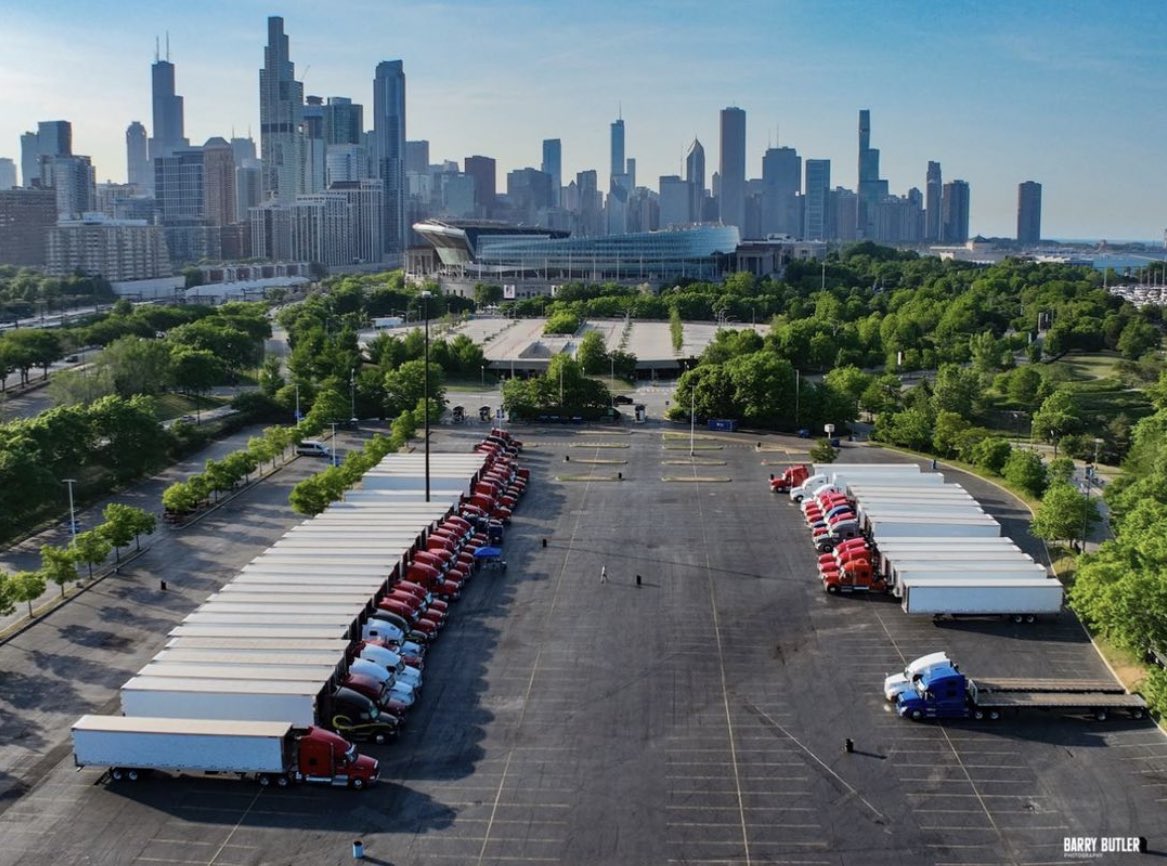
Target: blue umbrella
488, 553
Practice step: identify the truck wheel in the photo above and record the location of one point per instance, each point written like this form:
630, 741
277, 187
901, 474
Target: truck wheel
132, 775
916, 715
1101, 715
379, 739
797, 499
264, 780
1138, 713
357, 784
831, 590
282, 781
994, 715
1030, 618
117, 774
978, 714
1017, 618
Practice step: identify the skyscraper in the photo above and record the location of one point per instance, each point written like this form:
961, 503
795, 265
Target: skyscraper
733, 167
389, 132
553, 165
137, 157
243, 152
871, 188
781, 185
417, 156
818, 225
73, 179
218, 182
7, 173
168, 111
281, 100
344, 121
932, 196
617, 147
674, 202
955, 209
1029, 212
30, 171
482, 169
695, 178
54, 138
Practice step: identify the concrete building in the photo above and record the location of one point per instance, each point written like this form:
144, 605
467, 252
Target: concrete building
389, 130
553, 165
417, 156
458, 195
871, 189
26, 215
281, 101
530, 191
54, 138
955, 210
344, 163
933, 193
845, 205
818, 224
732, 171
248, 190
219, 200
114, 249
674, 202
1029, 212
483, 170
312, 146
7, 173
138, 158
167, 105
365, 199
243, 151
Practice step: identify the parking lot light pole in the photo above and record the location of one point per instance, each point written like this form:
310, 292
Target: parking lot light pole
352, 393
72, 513
425, 299
692, 418
332, 446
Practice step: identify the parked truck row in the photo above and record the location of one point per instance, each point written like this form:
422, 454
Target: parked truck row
320, 640
892, 528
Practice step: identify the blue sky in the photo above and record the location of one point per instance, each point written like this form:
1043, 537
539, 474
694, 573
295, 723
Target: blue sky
1070, 94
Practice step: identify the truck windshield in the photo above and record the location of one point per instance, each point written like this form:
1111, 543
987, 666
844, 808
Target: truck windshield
351, 754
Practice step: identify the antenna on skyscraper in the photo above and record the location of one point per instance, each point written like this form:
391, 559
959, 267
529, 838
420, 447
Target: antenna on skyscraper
156, 55
167, 46
620, 110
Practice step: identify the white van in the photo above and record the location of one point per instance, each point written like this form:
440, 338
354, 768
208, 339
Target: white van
313, 448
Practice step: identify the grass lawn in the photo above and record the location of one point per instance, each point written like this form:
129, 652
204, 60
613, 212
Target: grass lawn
176, 405
1085, 367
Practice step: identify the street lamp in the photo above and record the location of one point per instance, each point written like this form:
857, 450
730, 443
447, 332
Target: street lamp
72, 514
352, 393
425, 297
332, 446
297, 401
482, 372
692, 417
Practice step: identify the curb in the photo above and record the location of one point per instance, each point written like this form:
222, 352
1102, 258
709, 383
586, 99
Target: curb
26, 622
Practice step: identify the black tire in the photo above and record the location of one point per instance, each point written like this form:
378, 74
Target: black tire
133, 775
797, 500
831, 590
282, 781
1030, 618
117, 774
978, 714
1017, 618
379, 738
994, 715
357, 784
1138, 713
916, 715
1101, 715
264, 780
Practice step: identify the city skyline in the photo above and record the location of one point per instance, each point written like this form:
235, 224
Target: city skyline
982, 99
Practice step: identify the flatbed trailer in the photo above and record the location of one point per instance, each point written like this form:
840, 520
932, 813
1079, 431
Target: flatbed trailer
943, 692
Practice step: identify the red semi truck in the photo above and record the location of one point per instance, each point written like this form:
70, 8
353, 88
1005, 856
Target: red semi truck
791, 478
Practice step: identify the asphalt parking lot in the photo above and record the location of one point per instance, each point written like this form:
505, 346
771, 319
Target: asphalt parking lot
698, 718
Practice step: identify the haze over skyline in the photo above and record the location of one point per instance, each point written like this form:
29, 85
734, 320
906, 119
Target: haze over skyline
1063, 94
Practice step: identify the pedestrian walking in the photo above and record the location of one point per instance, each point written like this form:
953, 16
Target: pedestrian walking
603, 574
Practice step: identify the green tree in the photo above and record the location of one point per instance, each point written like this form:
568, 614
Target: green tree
947, 430
1025, 470
80, 387
181, 498
763, 389
487, 294
1057, 416
406, 385
881, 395
562, 322
32, 347
137, 365
1060, 471
58, 565
849, 381
957, 389
987, 353
195, 371
27, 587
90, 548
7, 594
1024, 386
125, 523
592, 354
911, 428
1138, 338
1064, 513
271, 376
992, 454
823, 452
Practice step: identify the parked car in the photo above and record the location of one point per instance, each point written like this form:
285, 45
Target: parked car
622, 400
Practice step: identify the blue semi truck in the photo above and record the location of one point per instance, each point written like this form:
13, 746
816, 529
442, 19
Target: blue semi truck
941, 691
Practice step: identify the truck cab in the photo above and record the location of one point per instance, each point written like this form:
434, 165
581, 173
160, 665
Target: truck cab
323, 756
792, 477
939, 692
894, 684
354, 715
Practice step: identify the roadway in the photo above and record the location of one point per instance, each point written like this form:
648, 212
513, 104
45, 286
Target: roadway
698, 718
